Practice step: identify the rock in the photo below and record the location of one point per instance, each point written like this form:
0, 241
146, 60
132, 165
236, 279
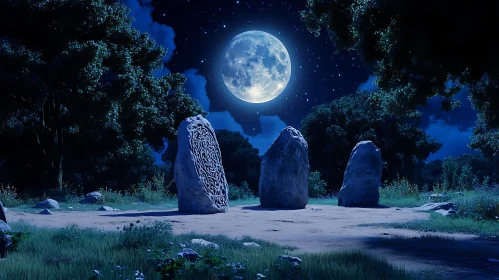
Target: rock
4, 227
493, 260
189, 254
459, 193
49, 203
438, 197
259, 275
91, 198
290, 258
2, 213
436, 206
205, 243
284, 172
45, 212
198, 171
106, 208
446, 212
362, 177
251, 244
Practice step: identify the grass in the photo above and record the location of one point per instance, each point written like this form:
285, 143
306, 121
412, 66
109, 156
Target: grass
70, 252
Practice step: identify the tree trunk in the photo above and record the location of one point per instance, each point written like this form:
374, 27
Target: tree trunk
56, 167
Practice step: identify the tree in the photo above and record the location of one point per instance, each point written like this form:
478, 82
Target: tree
240, 159
77, 81
335, 129
420, 49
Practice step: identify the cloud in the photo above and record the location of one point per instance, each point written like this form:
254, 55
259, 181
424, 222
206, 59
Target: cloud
163, 34
369, 85
271, 126
195, 86
454, 140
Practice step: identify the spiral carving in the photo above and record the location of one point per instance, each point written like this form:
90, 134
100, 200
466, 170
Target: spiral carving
208, 163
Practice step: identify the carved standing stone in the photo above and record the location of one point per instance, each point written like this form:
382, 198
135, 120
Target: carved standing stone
284, 172
362, 177
2, 213
198, 171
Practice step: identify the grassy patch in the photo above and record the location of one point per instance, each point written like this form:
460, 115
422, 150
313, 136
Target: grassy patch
439, 223
74, 252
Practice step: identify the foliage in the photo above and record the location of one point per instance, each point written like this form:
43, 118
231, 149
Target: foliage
458, 172
336, 128
153, 191
316, 186
240, 192
240, 159
79, 88
8, 196
413, 60
398, 188
484, 205
137, 236
210, 266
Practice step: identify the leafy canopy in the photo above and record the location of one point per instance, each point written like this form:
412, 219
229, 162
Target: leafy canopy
420, 49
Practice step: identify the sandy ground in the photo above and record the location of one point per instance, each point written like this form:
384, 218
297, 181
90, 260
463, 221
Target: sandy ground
317, 228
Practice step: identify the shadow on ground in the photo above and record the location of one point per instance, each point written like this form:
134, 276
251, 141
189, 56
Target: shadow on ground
150, 214
468, 259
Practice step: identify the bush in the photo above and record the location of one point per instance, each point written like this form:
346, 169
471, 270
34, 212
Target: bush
240, 192
483, 205
153, 192
112, 196
8, 196
136, 236
400, 187
316, 186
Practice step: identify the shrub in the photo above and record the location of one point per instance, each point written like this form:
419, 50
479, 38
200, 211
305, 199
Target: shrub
153, 192
316, 186
145, 236
112, 196
483, 205
240, 192
8, 196
399, 187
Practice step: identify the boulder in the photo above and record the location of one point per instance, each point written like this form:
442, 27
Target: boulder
91, 198
436, 206
106, 208
4, 227
48, 203
284, 172
251, 244
198, 171
45, 212
188, 253
362, 177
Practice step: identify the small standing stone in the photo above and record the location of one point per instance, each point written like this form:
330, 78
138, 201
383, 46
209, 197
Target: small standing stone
45, 212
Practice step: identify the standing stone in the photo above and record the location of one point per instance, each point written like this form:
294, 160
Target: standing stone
362, 178
2, 213
198, 171
284, 172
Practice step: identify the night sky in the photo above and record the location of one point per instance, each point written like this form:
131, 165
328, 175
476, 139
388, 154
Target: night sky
196, 32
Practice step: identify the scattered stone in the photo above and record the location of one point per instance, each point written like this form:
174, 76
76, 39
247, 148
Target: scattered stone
284, 172
205, 243
4, 227
290, 258
48, 203
493, 260
45, 212
436, 206
316, 209
2, 213
259, 275
362, 177
459, 193
106, 208
189, 254
91, 198
198, 171
251, 244
70, 207
443, 212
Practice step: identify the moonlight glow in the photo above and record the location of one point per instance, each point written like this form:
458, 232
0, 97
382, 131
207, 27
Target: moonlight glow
256, 66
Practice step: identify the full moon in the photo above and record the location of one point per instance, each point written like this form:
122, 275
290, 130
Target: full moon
256, 66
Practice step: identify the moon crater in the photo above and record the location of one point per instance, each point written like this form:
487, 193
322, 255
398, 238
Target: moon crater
256, 67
